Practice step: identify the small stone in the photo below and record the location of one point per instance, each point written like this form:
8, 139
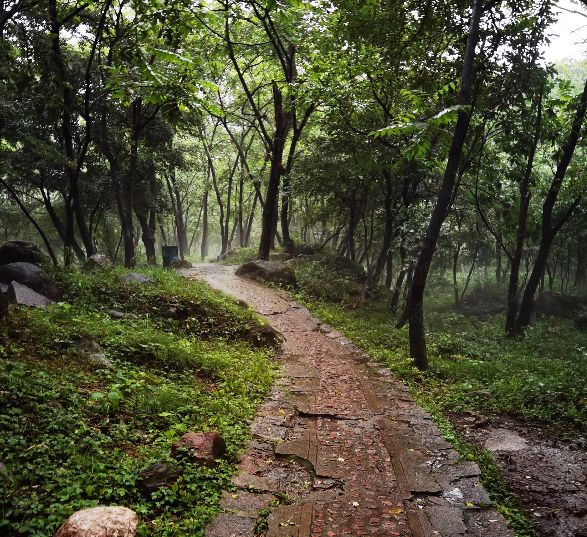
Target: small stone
135, 277
21, 295
115, 314
115, 521
200, 448
96, 262
93, 352
156, 476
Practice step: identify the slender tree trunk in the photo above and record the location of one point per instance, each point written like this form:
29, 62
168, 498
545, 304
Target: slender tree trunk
204, 245
178, 212
455, 271
269, 219
524, 189
550, 229
285, 208
415, 307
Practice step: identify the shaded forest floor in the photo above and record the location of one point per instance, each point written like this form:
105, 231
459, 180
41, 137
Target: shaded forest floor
95, 389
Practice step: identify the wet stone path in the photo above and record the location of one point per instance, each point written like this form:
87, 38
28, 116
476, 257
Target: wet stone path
340, 447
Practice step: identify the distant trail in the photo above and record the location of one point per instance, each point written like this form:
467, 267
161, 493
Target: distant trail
343, 443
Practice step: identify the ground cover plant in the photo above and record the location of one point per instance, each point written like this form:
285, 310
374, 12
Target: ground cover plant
77, 434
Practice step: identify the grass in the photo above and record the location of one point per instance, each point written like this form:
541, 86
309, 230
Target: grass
77, 435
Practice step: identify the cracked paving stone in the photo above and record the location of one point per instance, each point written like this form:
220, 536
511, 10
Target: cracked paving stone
343, 444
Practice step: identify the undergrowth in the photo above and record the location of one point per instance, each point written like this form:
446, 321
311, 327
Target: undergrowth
76, 434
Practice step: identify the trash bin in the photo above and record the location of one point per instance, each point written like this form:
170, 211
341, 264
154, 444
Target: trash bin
169, 254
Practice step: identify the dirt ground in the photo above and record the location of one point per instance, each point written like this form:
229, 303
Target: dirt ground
547, 472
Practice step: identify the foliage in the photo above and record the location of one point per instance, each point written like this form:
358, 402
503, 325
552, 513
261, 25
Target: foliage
77, 435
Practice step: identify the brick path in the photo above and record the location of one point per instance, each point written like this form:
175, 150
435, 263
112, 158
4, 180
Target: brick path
340, 448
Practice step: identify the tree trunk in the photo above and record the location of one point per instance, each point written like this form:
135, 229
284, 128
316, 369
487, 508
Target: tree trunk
415, 301
549, 230
516, 259
269, 219
205, 230
285, 206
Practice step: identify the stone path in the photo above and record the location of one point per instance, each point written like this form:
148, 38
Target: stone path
340, 447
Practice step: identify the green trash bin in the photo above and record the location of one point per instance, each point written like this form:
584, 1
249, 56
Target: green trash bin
169, 254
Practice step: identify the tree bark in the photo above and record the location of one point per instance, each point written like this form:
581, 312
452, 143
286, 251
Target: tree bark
516, 259
269, 219
417, 337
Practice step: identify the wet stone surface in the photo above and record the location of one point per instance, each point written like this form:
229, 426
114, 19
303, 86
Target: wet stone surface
340, 446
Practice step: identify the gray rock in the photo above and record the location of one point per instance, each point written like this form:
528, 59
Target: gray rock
30, 275
114, 521
96, 262
21, 295
505, 440
21, 251
268, 271
135, 277
93, 352
115, 314
156, 476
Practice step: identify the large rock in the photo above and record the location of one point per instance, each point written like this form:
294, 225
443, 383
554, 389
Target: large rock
21, 251
156, 476
100, 522
21, 295
96, 262
30, 275
268, 271
200, 448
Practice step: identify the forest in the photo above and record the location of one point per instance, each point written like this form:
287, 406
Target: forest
413, 173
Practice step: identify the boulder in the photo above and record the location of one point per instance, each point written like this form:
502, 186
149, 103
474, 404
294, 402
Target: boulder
21, 295
21, 251
93, 352
268, 271
200, 448
135, 277
113, 521
96, 262
30, 275
156, 476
